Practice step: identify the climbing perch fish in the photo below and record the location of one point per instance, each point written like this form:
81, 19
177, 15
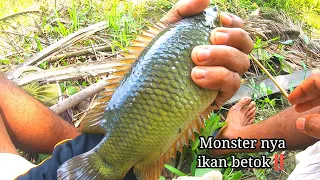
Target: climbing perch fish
151, 107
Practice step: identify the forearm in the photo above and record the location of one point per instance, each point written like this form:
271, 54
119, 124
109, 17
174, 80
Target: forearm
279, 126
31, 125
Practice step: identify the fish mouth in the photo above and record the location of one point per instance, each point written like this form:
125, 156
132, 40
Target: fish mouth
211, 11
212, 16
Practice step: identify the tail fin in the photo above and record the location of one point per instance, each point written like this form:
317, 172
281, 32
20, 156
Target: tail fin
87, 166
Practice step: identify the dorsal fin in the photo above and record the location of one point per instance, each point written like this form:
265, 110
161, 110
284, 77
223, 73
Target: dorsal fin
154, 29
137, 43
146, 35
91, 121
153, 171
162, 25
135, 49
144, 38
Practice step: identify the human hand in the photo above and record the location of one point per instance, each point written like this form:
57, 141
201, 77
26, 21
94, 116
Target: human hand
219, 66
307, 94
305, 97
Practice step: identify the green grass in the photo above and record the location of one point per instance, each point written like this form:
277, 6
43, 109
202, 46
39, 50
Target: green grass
305, 11
16, 6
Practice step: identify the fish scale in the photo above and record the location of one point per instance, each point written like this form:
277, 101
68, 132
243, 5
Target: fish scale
154, 109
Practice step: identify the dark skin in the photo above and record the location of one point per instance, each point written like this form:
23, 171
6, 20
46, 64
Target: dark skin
306, 97
299, 125
219, 66
30, 126
27, 124
225, 52
279, 126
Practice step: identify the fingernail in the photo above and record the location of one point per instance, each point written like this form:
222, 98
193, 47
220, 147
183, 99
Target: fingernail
226, 19
220, 38
300, 124
199, 73
203, 54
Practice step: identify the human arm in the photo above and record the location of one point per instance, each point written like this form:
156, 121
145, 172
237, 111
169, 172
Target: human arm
81, 135
31, 126
298, 125
307, 96
35, 128
279, 126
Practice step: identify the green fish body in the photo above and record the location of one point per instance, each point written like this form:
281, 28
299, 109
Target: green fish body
153, 111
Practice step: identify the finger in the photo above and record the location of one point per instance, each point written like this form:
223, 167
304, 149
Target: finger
217, 78
309, 125
234, 37
251, 105
251, 121
232, 21
185, 8
308, 105
307, 90
220, 55
251, 113
252, 116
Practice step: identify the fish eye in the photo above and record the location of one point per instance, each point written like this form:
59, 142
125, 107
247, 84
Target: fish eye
212, 11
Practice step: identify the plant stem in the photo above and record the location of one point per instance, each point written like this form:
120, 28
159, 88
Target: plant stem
270, 76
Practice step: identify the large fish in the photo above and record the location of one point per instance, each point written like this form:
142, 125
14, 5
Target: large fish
154, 110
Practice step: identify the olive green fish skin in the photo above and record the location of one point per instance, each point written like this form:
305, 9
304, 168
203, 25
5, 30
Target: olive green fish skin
155, 101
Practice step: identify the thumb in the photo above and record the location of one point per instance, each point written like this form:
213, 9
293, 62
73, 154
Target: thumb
309, 125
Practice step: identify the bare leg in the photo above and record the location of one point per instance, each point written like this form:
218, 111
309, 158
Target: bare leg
279, 126
31, 126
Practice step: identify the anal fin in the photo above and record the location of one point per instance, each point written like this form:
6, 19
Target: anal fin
153, 171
